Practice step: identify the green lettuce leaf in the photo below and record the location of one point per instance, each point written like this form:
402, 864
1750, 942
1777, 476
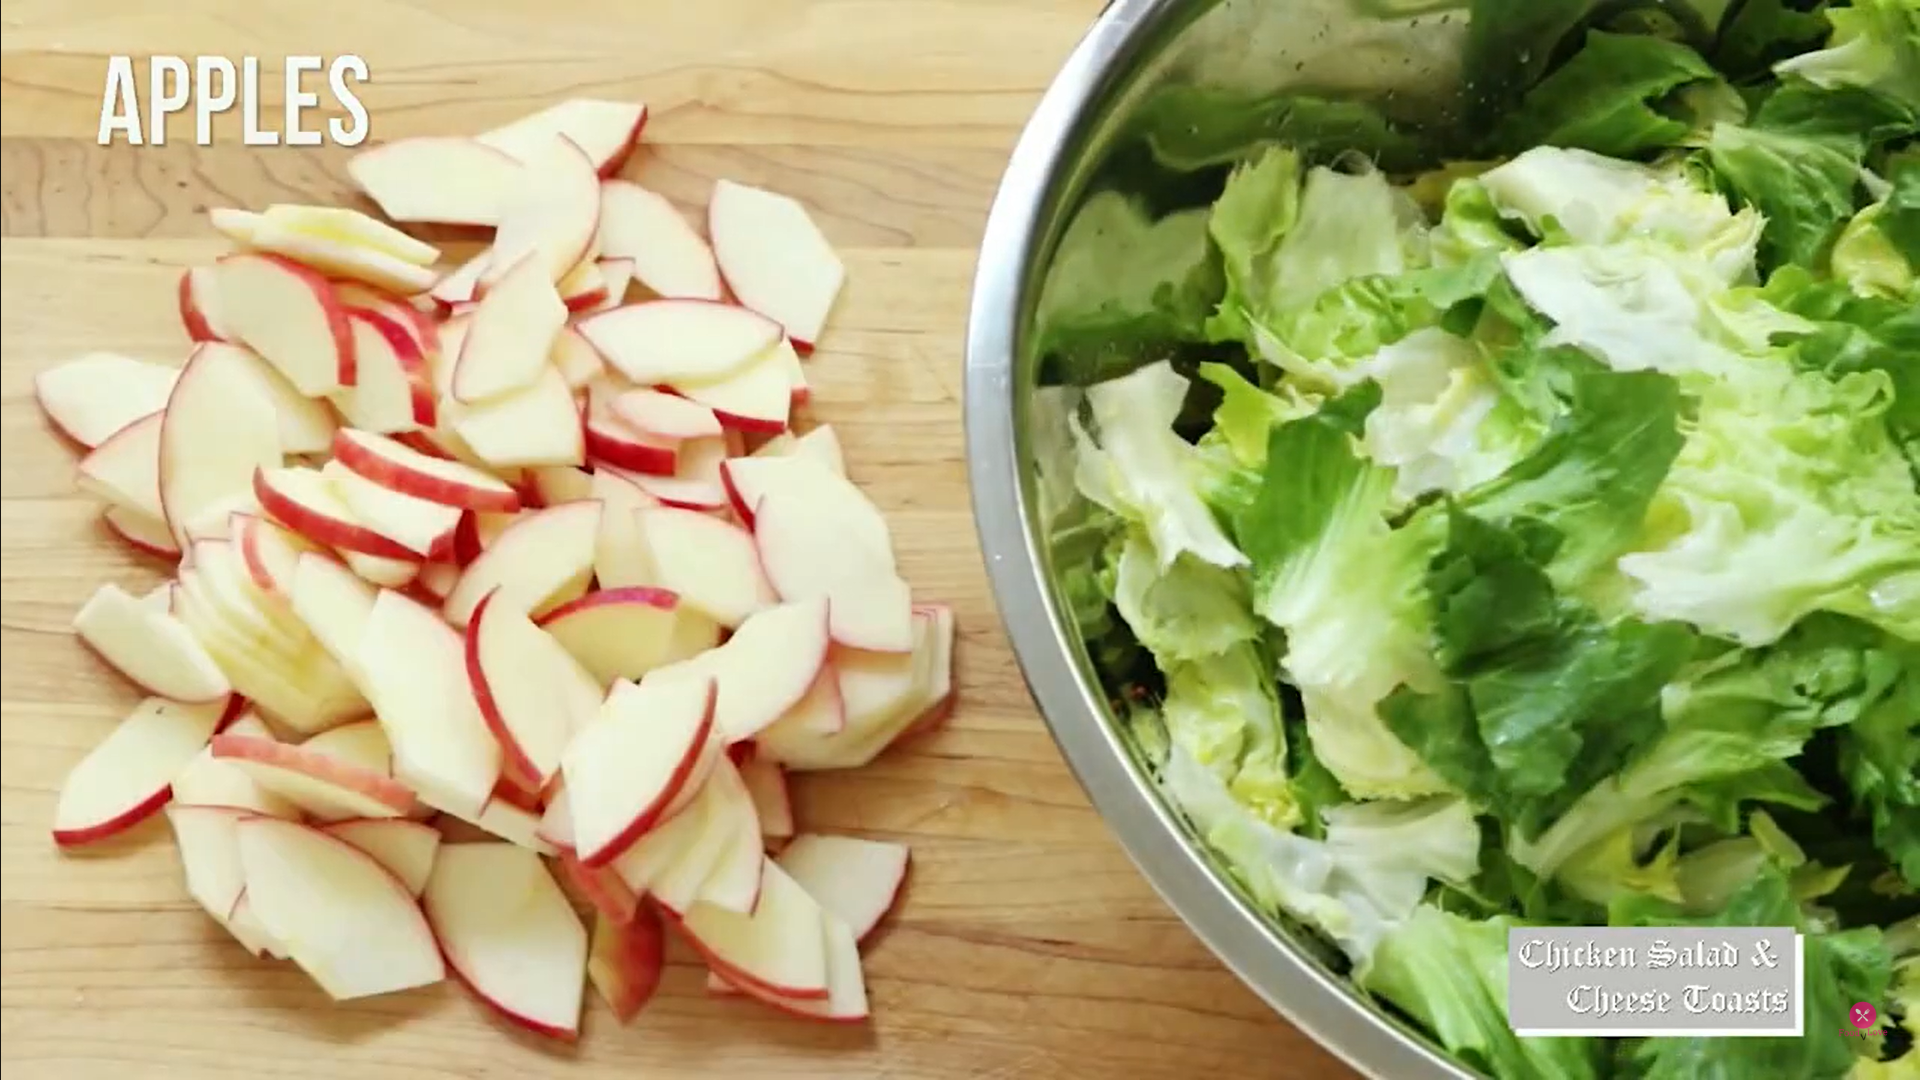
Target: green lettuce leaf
1880, 761
1899, 218
1763, 32
1586, 198
1188, 127
1253, 214
1610, 98
1844, 333
1804, 186
1875, 44
1220, 710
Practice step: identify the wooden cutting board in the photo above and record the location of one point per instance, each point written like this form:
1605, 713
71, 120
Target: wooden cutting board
1027, 946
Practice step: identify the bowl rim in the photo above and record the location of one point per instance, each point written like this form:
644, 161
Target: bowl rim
1325, 1006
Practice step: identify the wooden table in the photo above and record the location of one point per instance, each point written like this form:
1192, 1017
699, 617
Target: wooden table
1027, 947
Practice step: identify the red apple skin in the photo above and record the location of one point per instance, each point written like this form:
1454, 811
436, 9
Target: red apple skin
418, 442
747, 983
604, 889
414, 363
324, 530
337, 326
139, 545
560, 1034
466, 540
785, 1003
198, 329
642, 959
384, 789
611, 166
650, 815
236, 708
394, 476
664, 599
514, 762
734, 499
101, 830
510, 791
623, 451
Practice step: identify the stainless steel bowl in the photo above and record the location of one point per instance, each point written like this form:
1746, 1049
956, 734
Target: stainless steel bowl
1405, 57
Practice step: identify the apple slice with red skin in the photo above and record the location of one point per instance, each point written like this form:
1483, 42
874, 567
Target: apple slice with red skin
941, 692
846, 1000
821, 444
807, 550
333, 602
441, 180
756, 398
379, 570
504, 818
200, 306
419, 325
767, 782
557, 484
537, 425
621, 633
336, 256
462, 286
626, 961
394, 465
779, 948
532, 694
218, 430
711, 564
732, 880
669, 341
289, 314
615, 442
602, 888
345, 225
509, 934
412, 667
883, 696
774, 258
210, 855
405, 848
91, 397
681, 831
582, 289
665, 416
423, 528
395, 388
575, 359
437, 579
124, 470
154, 650
670, 259
207, 781
556, 818
822, 712
306, 425
129, 774
509, 334
305, 501
807, 477
617, 274
147, 535
551, 215
540, 561
620, 560
626, 768
320, 784
344, 918
767, 666
605, 131
695, 484
854, 879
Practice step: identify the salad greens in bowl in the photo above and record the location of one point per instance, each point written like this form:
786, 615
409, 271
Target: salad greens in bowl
1509, 518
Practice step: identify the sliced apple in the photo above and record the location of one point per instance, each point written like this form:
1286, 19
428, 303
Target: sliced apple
337, 257
423, 528
556, 484
764, 669
91, 397
151, 648
602, 888
807, 551
767, 782
379, 570
509, 334
509, 934
669, 257
413, 668
665, 416
620, 559
821, 444
612, 440
289, 314
732, 881
537, 425
605, 131
755, 398
124, 470
552, 213
941, 693
306, 501
405, 848
774, 258
556, 818
233, 223
574, 359
798, 388
856, 880
808, 478
146, 534
363, 743
249, 931
344, 918
682, 833
320, 784
779, 948
394, 465
620, 633
219, 429
617, 275
626, 768
349, 226
626, 961
846, 1000
541, 561
711, 564
695, 484
395, 389
882, 695
441, 180
531, 692
462, 286
582, 289
200, 306
210, 855
129, 774
208, 781
664, 341
419, 325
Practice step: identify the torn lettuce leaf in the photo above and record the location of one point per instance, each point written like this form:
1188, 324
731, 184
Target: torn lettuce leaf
1612, 97
1220, 711
1803, 185
1875, 44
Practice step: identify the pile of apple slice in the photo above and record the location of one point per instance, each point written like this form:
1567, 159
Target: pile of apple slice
497, 593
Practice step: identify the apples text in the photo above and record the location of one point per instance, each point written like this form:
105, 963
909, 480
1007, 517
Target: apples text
211, 85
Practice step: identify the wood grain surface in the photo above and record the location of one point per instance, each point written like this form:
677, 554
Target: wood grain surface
1027, 946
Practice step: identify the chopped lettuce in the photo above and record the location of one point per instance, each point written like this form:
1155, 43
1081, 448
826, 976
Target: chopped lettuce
1803, 186
1875, 44
1612, 97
